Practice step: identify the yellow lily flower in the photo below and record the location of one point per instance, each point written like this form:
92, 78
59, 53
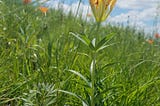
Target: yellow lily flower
102, 8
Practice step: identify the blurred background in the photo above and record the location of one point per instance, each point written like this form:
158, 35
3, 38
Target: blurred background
143, 14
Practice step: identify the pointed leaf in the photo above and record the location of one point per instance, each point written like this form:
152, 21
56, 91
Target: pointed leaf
91, 46
83, 39
104, 46
81, 76
104, 40
75, 95
94, 42
91, 67
109, 64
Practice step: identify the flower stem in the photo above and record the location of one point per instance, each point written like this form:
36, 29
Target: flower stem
93, 78
98, 25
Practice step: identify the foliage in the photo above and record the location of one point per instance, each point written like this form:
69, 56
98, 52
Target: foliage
42, 63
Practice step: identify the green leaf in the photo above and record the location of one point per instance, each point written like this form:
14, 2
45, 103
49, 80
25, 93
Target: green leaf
83, 39
75, 95
91, 67
105, 91
104, 40
104, 46
108, 64
141, 89
123, 100
94, 42
81, 76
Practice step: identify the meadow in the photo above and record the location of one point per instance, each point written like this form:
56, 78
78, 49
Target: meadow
56, 59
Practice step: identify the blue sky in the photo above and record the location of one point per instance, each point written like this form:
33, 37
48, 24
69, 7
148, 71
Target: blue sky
141, 13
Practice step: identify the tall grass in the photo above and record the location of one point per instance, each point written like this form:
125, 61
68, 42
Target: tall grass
42, 63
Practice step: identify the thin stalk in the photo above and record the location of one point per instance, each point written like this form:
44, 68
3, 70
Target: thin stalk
93, 78
78, 8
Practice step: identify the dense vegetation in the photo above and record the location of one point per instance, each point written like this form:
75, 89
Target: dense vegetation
42, 63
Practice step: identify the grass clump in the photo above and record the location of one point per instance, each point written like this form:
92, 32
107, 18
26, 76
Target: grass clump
43, 64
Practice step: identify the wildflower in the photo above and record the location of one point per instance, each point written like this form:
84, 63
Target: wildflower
102, 8
26, 1
43, 9
89, 15
150, 41
157, 35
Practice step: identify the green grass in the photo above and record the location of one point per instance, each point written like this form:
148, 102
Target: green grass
42, 63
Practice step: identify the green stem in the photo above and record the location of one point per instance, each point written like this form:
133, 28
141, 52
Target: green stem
93, 78
98, 25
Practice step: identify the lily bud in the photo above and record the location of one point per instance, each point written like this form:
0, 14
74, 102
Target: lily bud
102, 8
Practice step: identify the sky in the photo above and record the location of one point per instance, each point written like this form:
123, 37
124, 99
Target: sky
144, 14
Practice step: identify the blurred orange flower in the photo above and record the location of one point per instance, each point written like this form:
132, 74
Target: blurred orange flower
27, 1
89, 15
43, 9
150, 41
157, 35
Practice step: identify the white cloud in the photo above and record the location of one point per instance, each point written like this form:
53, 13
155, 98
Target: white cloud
137, 4
84, 9
139, 12
135, 16
72, 7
